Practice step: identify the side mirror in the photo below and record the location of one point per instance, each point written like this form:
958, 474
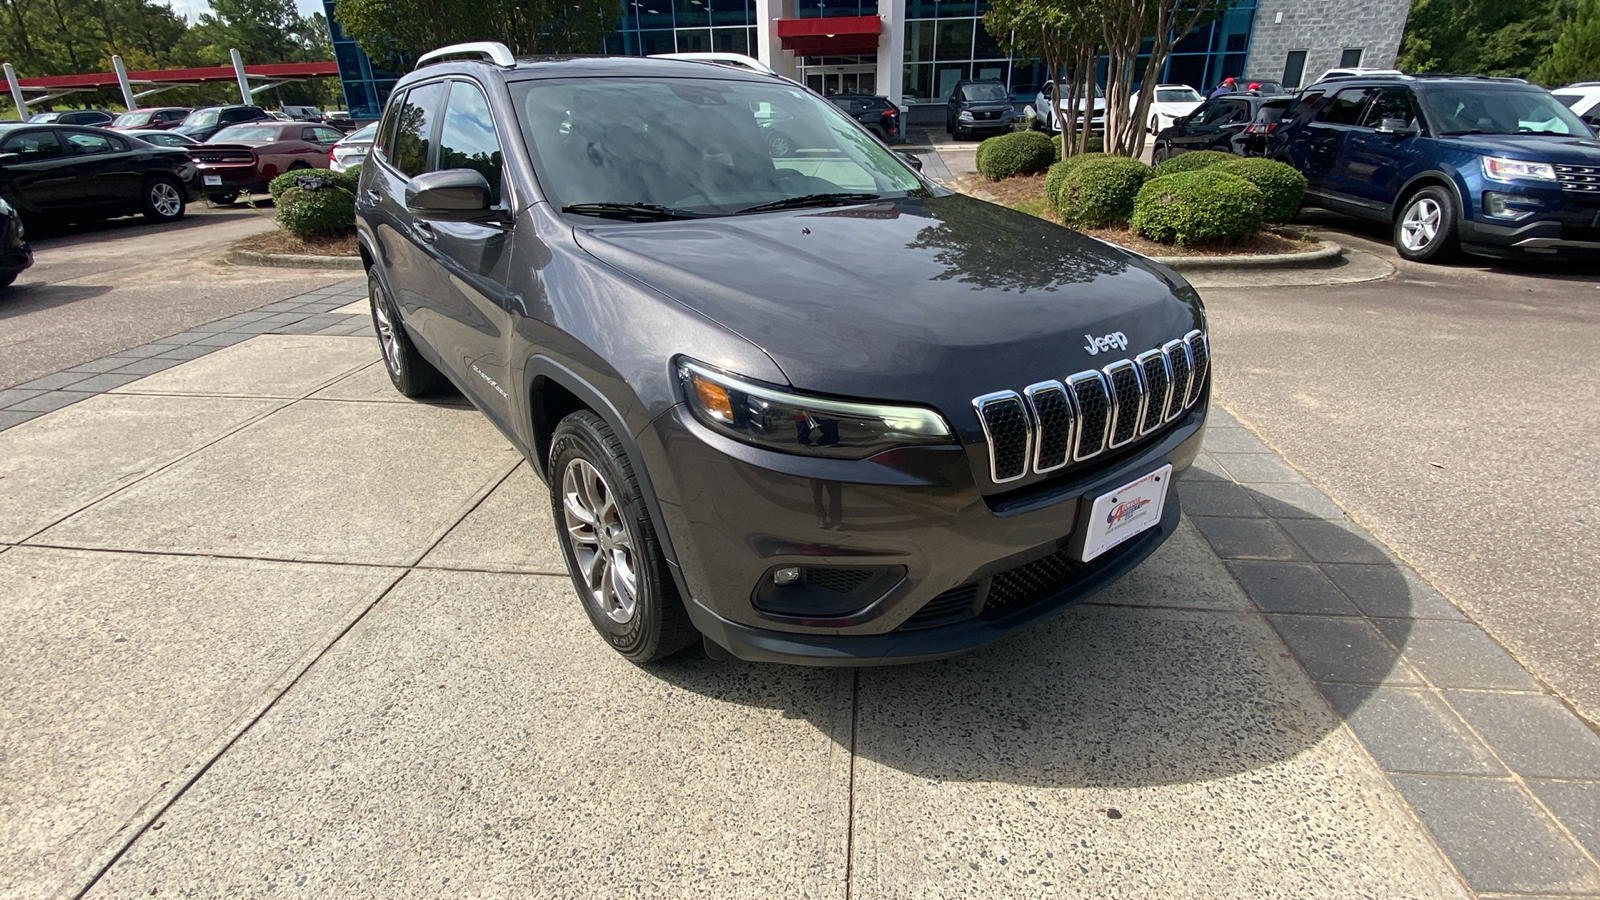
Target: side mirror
1396, 126
453, 195
909, 160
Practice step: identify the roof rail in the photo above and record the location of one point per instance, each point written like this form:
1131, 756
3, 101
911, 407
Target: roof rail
488, 51
731, 60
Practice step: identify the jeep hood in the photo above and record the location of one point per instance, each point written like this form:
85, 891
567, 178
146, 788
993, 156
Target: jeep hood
934, 300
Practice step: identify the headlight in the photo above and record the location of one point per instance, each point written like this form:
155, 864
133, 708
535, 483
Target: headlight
1506, 169
794, 423
965, 114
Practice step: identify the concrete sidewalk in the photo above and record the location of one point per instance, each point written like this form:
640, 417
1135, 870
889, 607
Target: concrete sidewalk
268, 626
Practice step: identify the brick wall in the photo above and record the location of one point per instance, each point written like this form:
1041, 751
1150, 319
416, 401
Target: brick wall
1324, 28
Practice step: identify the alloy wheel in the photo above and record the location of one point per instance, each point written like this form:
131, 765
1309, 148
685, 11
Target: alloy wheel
602, 544
165, 200
386, 336
1421, 224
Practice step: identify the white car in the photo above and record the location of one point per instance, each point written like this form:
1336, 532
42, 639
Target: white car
1044, 111
1583, 99
353, 150
1355, 72
1170, 102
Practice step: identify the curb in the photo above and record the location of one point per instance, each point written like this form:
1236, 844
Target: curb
292, 260
1324, 252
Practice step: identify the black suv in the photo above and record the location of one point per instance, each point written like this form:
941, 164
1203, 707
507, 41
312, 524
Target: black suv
1222, 123
979, 105
1491, 166
203, 123
879, 114
816, 409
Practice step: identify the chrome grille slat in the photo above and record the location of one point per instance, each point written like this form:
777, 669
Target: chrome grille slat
1579, 178
1051, 424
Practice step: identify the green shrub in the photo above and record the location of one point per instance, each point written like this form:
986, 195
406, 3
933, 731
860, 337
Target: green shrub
1017, 153
1282, 186
1192, 161
1100, 191
314, 205
348, 178
1196, 207
1058, 172
1096, 145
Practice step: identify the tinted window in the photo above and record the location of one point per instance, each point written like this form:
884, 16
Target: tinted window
328, 135
1345, 109
201, 118
1390, 103
170, 115
985, 92
1173, 95
1235, 111
383, 145
1212, 113
241, 115
83, 142
467, 139
1466, 110
32, 146
166, 140
246, 133
414, 130
129, 119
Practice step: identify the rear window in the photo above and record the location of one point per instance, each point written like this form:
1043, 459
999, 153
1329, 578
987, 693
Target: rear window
247, 133
133, 118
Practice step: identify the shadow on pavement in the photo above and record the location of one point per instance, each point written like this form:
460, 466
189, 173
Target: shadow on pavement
23, 298
1575, 269
1171, 675
53, 233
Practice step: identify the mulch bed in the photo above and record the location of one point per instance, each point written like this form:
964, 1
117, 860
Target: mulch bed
280, 241
1026, 193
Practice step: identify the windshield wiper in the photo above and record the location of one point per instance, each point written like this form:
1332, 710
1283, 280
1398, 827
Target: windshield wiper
638, 212
1468, 131
840, 198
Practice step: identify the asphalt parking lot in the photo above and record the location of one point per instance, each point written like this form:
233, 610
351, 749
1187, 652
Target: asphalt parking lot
268, 627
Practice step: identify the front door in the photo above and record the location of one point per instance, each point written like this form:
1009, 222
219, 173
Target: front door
842, 79
1324, 137
36, 172
1374, 164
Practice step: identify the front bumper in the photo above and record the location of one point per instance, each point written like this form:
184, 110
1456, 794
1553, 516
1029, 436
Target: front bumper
1564, 226
734, 513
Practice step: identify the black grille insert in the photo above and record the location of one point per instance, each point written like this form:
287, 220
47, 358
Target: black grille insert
1006, 425
1127, 401
1030, 582
1178, 357
1200, 356
840, 581
953, 605
1052, 411
1094, 413
1157, 386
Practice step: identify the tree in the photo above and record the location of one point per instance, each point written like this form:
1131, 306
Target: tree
1060, 35
393, 31
1576, 54
1480, 37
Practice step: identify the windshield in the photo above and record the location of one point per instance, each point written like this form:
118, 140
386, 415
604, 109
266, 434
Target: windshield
201, 118
246, 133
1473, 110
132, 118
698, 146
1175, 95
985, 92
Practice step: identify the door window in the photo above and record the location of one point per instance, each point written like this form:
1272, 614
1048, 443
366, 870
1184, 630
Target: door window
1390, 103
320, 135
85, 143
1211, 113
33, 146
1345, 109
413, 139
383, 142
1234, 111
467, 139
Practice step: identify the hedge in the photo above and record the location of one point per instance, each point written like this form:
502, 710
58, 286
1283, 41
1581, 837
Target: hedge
314, 204
1100, 192
1196, 207
1096, 145
1016, 153
1283, 187
346, 179
1192, 161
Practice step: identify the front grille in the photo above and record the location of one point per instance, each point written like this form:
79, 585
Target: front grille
951, 606
840, 581
986, 114
1024, 585
1060, 422
1579, 178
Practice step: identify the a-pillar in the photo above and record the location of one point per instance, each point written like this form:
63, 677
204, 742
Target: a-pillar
769, 47
892, 50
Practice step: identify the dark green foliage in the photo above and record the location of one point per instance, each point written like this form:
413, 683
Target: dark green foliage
1193, 161
1479, 37
348, 179
1197, 207
313, 204
1096, 145
1017, 153
1282, 187
1576, 54
1099, 191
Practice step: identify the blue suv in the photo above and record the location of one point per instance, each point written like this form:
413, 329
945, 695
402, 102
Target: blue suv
1489, 166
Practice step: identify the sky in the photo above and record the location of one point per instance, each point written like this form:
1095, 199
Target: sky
193, 8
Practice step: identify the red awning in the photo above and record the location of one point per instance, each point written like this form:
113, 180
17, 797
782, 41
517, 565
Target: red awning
830, 36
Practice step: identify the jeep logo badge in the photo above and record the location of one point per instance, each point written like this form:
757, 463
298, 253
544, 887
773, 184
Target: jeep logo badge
1096, 344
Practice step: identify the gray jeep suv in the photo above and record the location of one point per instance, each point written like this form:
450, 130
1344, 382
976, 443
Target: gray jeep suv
812, 408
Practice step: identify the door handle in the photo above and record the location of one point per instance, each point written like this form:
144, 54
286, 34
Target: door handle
375, 195
425, 232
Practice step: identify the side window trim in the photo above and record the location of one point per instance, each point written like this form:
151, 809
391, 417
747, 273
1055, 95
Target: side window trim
383, 141
502, 190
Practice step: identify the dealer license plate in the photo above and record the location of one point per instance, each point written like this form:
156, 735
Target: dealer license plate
214, 179
1125, 512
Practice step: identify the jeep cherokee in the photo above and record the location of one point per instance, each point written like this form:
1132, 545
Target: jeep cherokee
813, 408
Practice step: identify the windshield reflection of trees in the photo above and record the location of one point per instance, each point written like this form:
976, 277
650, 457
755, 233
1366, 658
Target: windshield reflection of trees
981, 244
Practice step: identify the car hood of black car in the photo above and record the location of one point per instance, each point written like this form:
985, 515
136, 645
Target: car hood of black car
934, 300
1550, 148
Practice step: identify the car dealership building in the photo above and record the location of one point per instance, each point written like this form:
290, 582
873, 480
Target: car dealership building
914, 51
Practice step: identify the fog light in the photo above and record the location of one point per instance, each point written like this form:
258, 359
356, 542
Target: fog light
1509, 206
785, 576
821, 592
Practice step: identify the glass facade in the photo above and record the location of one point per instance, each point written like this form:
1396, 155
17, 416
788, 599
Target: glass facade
366, 86
684, 26
946, 42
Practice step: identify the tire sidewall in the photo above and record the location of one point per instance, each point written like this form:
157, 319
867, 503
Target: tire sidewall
580, 436
1443, 242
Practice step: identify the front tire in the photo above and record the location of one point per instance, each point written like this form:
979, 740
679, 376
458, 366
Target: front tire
610, 544
410, 374
1425, 230
163, 200
1160, 154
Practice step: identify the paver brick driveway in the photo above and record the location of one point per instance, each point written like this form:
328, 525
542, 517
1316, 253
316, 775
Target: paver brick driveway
266, 628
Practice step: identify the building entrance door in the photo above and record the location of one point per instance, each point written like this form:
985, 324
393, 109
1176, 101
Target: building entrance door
853, 78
